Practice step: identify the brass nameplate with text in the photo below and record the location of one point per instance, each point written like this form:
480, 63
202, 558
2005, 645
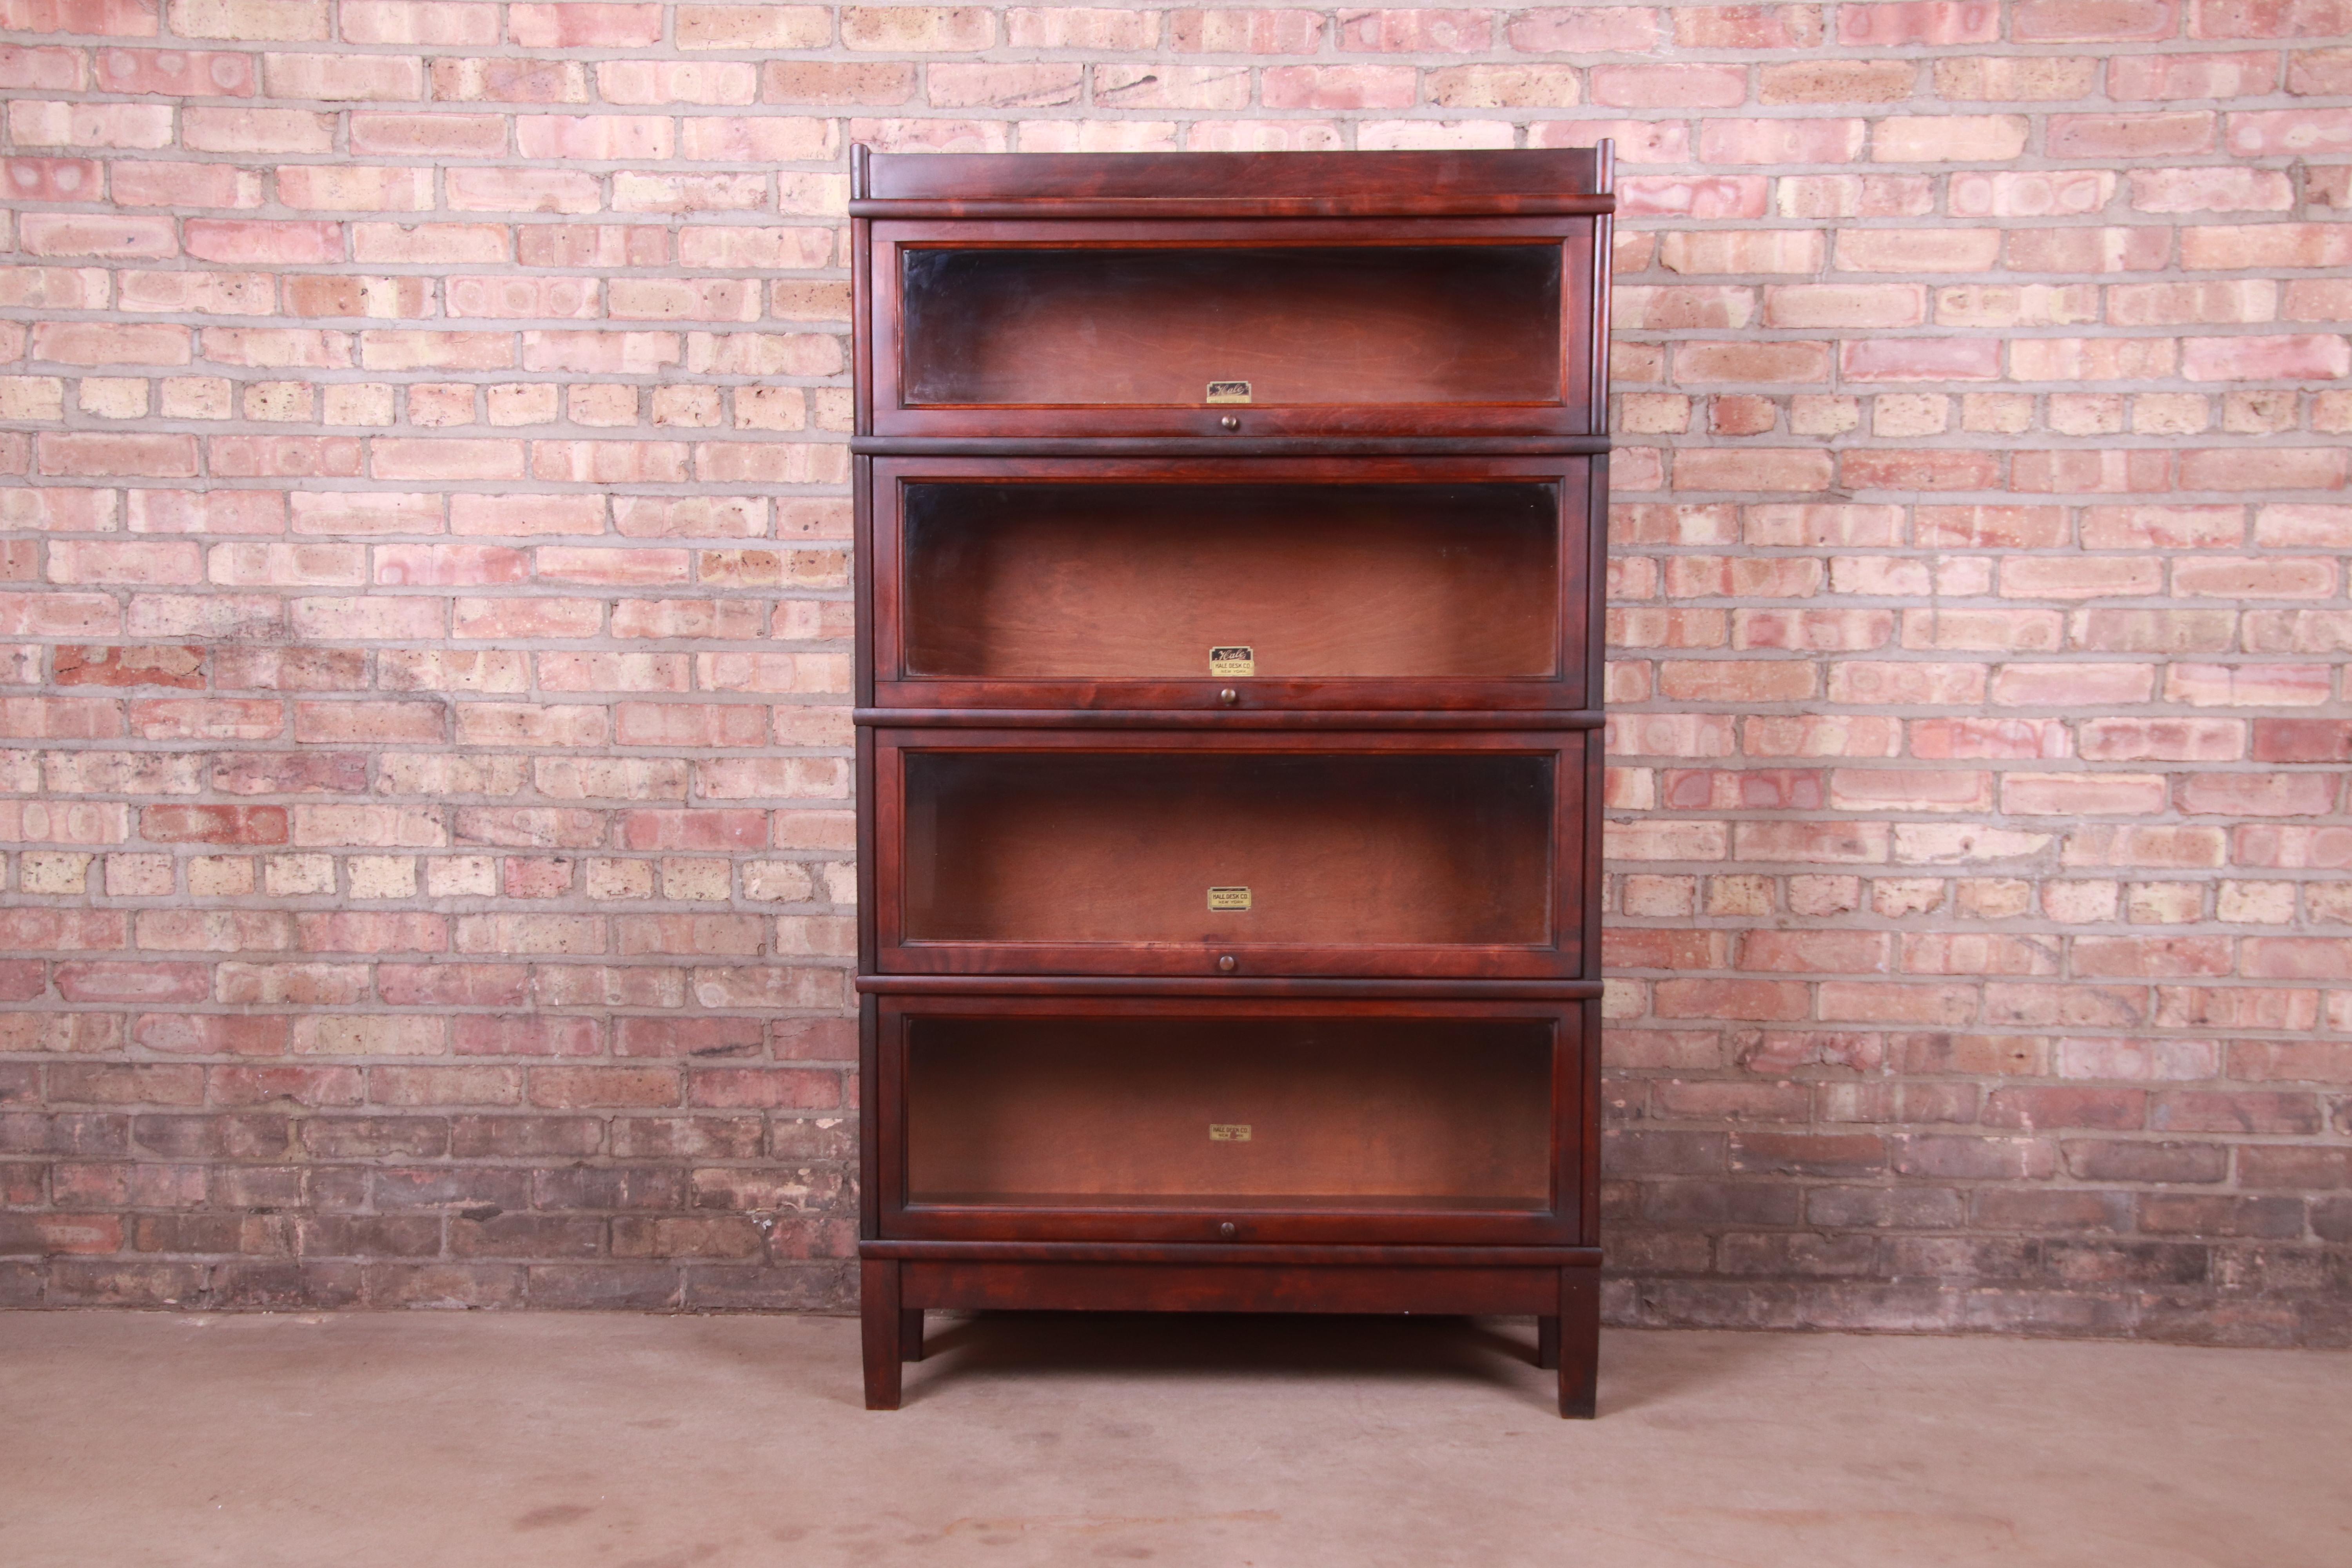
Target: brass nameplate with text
1232, 661
1229, 392
1229, 898
1229, 1131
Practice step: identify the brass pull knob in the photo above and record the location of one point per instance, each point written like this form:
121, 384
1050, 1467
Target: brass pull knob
1225, 963
1231, 422
1229, 697
1227, 1230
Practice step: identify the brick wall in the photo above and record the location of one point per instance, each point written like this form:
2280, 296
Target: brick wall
425, 797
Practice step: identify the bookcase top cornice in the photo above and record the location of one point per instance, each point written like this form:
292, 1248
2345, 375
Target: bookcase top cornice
1201, 184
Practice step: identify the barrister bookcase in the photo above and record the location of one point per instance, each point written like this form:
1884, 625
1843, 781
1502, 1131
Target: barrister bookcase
1229, 752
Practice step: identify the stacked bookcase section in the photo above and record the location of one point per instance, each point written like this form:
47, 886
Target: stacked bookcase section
1230, 530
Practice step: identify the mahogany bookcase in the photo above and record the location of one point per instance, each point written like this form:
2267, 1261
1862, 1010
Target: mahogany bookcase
1229, 543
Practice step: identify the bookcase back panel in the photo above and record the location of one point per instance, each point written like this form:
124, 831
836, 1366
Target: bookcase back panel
1141, 581
1132, 325
1234, 850
1230, 1113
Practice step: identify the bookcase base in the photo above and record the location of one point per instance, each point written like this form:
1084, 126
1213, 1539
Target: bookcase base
1559, 1288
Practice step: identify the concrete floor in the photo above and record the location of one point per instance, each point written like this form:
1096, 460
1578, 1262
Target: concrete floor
482, 1441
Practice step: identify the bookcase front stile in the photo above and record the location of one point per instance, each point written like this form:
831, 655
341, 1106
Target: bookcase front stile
1230, 530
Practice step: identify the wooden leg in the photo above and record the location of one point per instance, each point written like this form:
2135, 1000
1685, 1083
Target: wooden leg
878, 1288
910, 1333
1580, 1341
1548, 1343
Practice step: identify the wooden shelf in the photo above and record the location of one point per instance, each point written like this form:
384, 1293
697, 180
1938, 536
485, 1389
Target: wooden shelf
1248, 328
1223, 1114
1291, 1120
1264, 852
1041, 325
1137, 581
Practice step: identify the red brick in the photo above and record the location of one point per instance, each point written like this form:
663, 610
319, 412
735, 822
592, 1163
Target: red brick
2150, 957
2297, 958
2181, 740
2095, 21
2227, 1112
1748, 26
214, 824
1710, 197
1580, 29
2310, 356
1971, 1158
1919, 359
764, 1088
2090, 473
1834, 83
1415, 32
1702, 363
1669, 86
1919, 469
524, 1035
2303, 741
2299, 1061
2191, 76
1751, 470
137, 982
105, 1083
453, 985
2290, 132
2111, 1109
2267, 18
1897, 24
1949, 138
2293, 245
1817, 951
1917, 250
1779, 142
1338, 87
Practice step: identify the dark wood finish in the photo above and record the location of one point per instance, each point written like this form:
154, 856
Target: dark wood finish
1533, 1058
1063, 1035
1237, 715
1563, 1300
1181, 208
1305, 1255
1386, 853
1457, 587
1580, 1341
1231, 1288
1363, 327
1137, 582
1386, 181
1062, 1113
1230, 445
882, 1323
1154, 323
1579, 1107
1268, 986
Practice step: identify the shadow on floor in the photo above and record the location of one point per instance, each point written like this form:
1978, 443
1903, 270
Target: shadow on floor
1492, 1352
1489, 1352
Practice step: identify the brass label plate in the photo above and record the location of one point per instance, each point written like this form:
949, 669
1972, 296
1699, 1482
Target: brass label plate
1229, 1131
1229, 392
1232, 661
1227, 899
